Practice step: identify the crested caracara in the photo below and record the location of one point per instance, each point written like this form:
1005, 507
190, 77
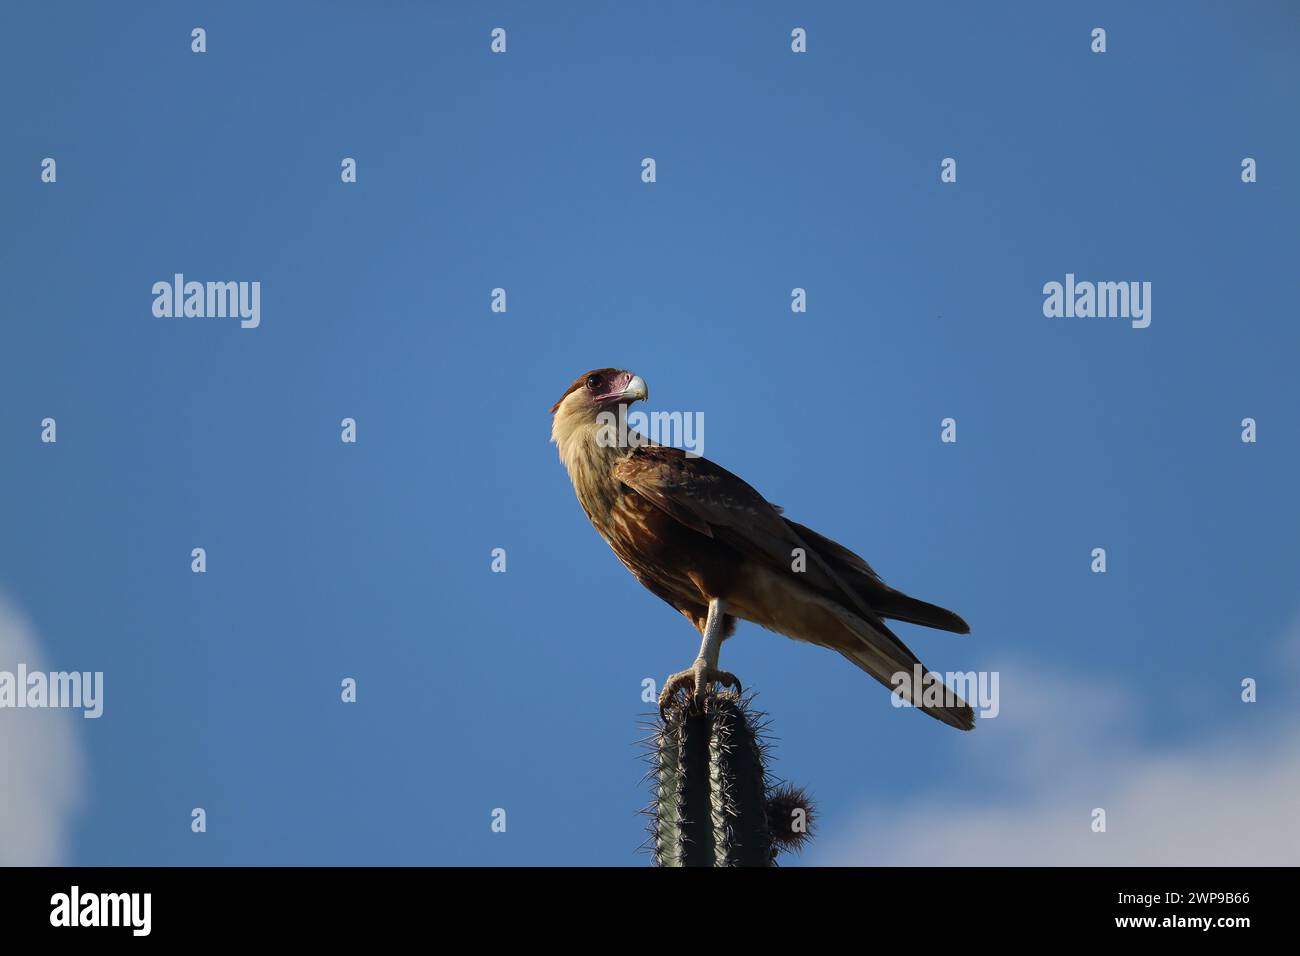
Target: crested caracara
717, 550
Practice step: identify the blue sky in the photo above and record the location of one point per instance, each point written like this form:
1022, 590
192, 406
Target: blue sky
774, 170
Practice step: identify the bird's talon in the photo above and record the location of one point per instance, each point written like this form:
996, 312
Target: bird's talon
671, 686
699, 679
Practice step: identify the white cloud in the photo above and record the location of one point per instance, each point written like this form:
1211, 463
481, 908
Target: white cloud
1057, 751
41, 766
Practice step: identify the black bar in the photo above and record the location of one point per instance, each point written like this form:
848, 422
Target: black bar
927, 906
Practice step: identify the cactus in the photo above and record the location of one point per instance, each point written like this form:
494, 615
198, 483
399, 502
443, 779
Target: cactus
714, 803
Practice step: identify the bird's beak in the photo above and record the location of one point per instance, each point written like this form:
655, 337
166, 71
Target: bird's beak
636, 389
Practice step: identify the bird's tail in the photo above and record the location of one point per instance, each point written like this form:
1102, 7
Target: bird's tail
781, 603
874, 648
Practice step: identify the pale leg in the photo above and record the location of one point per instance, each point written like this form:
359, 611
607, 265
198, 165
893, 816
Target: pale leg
704, 672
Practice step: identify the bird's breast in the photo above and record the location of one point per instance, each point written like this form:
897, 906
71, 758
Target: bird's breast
665, 554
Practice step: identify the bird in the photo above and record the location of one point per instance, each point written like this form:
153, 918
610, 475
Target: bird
716, 550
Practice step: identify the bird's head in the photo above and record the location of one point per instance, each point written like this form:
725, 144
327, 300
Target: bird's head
601, 389
575, 417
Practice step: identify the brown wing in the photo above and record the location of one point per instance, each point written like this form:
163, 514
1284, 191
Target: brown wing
711, 500
883, 599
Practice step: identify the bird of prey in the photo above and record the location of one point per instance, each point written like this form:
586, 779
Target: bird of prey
716, 550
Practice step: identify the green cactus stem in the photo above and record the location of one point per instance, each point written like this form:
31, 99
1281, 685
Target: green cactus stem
714, 803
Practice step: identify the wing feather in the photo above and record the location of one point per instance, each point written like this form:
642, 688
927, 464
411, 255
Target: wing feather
708, 498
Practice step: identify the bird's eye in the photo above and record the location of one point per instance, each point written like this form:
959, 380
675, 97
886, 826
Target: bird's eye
593, 381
